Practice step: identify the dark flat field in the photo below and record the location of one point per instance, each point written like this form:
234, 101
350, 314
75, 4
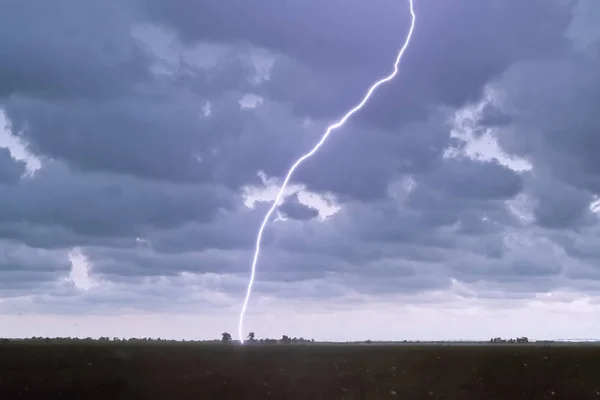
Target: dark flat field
180, 371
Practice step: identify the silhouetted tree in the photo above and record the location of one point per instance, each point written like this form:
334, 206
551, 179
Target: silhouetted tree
285, 339
517, 340
226, 337
251, 337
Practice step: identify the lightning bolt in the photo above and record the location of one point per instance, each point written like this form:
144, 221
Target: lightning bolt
320, 143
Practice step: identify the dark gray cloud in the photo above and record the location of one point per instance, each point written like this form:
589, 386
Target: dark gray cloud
493, 117
106, 205
11, 170
229, 231
76, 130
293, 208
476, 180
149, 184
428, 227
124, 264
24, 269
555, 126
85, 94
156, 135
361, 163
561, 205
456, 49
582, 246
68, 49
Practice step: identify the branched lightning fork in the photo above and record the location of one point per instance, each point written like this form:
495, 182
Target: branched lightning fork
330, 129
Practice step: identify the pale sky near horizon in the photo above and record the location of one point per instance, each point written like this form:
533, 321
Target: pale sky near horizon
143, 142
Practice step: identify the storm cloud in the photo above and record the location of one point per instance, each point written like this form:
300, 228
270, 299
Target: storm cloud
163, 129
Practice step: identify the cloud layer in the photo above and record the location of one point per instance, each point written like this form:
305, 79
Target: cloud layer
160, 130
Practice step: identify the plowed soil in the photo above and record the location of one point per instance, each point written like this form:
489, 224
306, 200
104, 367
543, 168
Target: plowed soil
213, 371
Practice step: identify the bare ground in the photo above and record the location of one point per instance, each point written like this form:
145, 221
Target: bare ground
211, 371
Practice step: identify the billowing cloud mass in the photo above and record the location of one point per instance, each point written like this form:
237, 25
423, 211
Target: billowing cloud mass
143, 142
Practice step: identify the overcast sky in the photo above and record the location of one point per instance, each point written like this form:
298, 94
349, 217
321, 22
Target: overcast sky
142, 141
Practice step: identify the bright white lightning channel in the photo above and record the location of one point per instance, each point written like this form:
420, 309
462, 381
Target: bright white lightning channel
330, 129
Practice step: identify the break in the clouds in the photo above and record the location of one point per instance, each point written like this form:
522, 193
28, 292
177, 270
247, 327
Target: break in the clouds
144, 140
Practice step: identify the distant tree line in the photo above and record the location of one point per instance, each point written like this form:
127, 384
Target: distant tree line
102, 339
226, 338
516, 340
285, 339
